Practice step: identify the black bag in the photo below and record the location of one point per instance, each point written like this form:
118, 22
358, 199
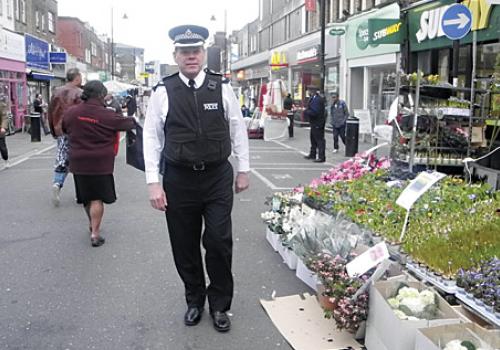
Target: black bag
134, 152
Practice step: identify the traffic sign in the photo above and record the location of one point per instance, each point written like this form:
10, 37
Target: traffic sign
337, 31
456, 21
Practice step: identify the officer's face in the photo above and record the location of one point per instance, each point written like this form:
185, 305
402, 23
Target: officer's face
189, 60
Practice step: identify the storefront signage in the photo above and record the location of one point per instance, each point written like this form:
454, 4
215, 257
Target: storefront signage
307, 55
278, 60
385, 31
361, 42
12, 46
57, 57
428, 24
457, 21
310, 5
37, 52
337, 31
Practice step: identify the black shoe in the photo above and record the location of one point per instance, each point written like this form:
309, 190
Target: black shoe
222, 323
309, 157
97, 242
319, 160
192, 316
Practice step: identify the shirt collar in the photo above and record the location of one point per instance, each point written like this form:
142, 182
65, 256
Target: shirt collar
200, 78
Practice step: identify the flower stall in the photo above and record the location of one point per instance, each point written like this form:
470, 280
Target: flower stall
452, 241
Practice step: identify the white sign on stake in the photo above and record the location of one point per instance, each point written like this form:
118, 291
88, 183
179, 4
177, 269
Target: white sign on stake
417, 188
371, 258
414, 191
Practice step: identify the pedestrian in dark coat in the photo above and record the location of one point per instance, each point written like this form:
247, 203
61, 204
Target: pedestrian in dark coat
91, 130
316, 113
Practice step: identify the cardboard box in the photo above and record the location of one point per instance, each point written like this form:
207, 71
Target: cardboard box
306, 275
301, 320
436, 338
272, 238
385, 331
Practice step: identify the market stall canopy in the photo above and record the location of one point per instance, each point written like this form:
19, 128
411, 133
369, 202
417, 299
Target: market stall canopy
116, 87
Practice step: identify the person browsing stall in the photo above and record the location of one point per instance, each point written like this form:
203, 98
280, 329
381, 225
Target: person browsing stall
195, 118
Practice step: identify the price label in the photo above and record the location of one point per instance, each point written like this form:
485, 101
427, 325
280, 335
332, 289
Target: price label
369, 259
417, 188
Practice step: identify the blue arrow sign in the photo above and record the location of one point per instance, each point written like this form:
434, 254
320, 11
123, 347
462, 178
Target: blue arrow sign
456, 21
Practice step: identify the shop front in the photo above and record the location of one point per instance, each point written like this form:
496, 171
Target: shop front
431, 52
371, 66
38, 70
12, 74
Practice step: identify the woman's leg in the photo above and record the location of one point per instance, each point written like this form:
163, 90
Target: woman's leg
96, 213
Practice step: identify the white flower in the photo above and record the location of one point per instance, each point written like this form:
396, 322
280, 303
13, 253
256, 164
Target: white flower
267, 216
400, 314
393, 302
415, 304
413, 318
427, 297
287, 227
455, 345
408, 292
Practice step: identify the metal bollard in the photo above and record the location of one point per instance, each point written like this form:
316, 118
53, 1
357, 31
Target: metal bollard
351, 136
35, 127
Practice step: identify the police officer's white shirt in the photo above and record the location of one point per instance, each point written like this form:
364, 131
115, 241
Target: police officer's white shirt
154, 135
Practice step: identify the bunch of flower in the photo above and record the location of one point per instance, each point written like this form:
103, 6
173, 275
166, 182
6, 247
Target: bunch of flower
411, 304
483, 282
349, 310
458, 344
352, 169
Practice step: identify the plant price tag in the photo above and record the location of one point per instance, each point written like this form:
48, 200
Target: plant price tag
417, 188
371, 258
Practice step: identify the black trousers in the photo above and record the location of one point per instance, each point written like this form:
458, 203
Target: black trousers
318, 143
197, 200
290, 127
3, 149
340, 131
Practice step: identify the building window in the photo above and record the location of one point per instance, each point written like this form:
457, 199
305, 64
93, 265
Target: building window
93, 48
23, 11
87, 56
106, 58
1, 8
9, 9
50, 21
16, 9
37, 20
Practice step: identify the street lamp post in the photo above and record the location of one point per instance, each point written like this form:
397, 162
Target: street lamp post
225, 64
322, 14
113, 43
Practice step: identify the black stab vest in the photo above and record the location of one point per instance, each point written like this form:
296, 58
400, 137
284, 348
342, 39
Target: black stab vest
196, 130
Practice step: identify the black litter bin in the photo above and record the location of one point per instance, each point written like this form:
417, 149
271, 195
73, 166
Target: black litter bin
35, 127
351, 136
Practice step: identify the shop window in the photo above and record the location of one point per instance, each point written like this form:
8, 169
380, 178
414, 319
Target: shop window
424, 62
443, 68
488, 57
332, 80
381, 91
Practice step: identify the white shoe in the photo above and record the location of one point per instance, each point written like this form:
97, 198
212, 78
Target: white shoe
7, 164
56, 199
335, 150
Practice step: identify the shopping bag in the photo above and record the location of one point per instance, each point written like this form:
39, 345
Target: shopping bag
134, 150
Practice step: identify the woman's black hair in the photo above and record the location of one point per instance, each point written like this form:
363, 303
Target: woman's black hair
94, 89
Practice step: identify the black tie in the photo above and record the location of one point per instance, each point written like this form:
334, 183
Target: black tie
191, 84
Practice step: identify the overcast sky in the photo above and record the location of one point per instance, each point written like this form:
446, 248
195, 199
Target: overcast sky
149, 21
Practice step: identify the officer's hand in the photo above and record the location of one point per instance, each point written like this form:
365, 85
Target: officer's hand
242, 182
157, 196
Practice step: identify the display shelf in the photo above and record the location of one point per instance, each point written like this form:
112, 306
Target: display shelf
478, 307
437, 161
439, 91
447, 286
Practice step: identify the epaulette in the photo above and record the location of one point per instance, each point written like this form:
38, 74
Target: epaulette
209, 71
159, 84
170, 76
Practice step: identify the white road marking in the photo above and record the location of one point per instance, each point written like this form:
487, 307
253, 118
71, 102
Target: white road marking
27, 156
281, 176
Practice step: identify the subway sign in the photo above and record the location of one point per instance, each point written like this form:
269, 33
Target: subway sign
385, 31
426, 29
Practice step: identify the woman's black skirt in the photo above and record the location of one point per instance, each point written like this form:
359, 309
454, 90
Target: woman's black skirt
94, 187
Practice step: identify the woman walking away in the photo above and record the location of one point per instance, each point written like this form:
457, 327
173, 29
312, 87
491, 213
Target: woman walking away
91, 128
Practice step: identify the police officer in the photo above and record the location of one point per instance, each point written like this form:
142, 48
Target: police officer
193, 122
316, 113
